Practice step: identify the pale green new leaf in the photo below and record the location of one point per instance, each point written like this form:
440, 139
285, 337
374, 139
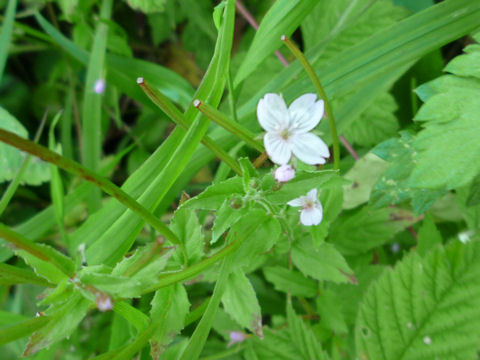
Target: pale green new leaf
363, 176
240, 302
425, 308
11, 159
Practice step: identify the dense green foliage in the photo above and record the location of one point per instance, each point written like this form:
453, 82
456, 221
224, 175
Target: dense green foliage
134, 226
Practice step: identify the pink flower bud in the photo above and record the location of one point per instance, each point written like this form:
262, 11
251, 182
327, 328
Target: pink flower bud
284, 173
236, 337
104, 302
99, 86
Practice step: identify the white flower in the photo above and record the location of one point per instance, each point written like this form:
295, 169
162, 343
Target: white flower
284, 173
99, 86
312, 212
288, 129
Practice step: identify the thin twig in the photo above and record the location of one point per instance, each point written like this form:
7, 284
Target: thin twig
349, 147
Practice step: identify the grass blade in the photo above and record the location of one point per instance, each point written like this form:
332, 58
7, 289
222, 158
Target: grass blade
6, 34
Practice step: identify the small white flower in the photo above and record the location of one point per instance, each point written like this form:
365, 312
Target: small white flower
288, 129
312, 212
99, 86
284, 173
104, 302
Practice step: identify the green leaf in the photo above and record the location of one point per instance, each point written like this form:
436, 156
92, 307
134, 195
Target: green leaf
323, 263
329, 307
363, 175
363, 229
240, 302
92, 102
424, 307
303, 337
303, 182
428, 236
447, 146
171, 305
393, 186
6, 34
214, 196
290, 281
148, 6
276, 345
64, 319
376, 124
258, 232
19, 330
474, 192
117, 286
37, 171
281, 19
226, 217
186, 226
43, 268
10, 275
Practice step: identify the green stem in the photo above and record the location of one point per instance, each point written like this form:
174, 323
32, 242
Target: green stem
42, 252
12, 187
229, 125
316, 82
178, 118
89, 175
193, 270
231, 95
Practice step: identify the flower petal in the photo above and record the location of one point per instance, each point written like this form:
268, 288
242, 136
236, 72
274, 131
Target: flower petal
312, 195
305, 113
277, 148
309, 148
272, 112
312, 216
296, 202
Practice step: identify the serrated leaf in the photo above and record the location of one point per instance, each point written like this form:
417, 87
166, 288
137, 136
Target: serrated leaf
363, 229
42, 268
292, 282
303, 337
148, 6
363, 175
303, 182
11, 159
393, 186
258, 232
240, 302
225, 217
214, 196
186, 226
424, 308
428, 236
276, 345
64, 319
172, 305
448, 146
118, 286
323, 263
376, 124
329, 307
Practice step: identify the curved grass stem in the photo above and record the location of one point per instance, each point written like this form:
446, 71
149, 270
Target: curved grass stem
318, 86
91, 176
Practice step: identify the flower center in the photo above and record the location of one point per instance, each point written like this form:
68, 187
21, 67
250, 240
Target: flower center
285, 134
308, 204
